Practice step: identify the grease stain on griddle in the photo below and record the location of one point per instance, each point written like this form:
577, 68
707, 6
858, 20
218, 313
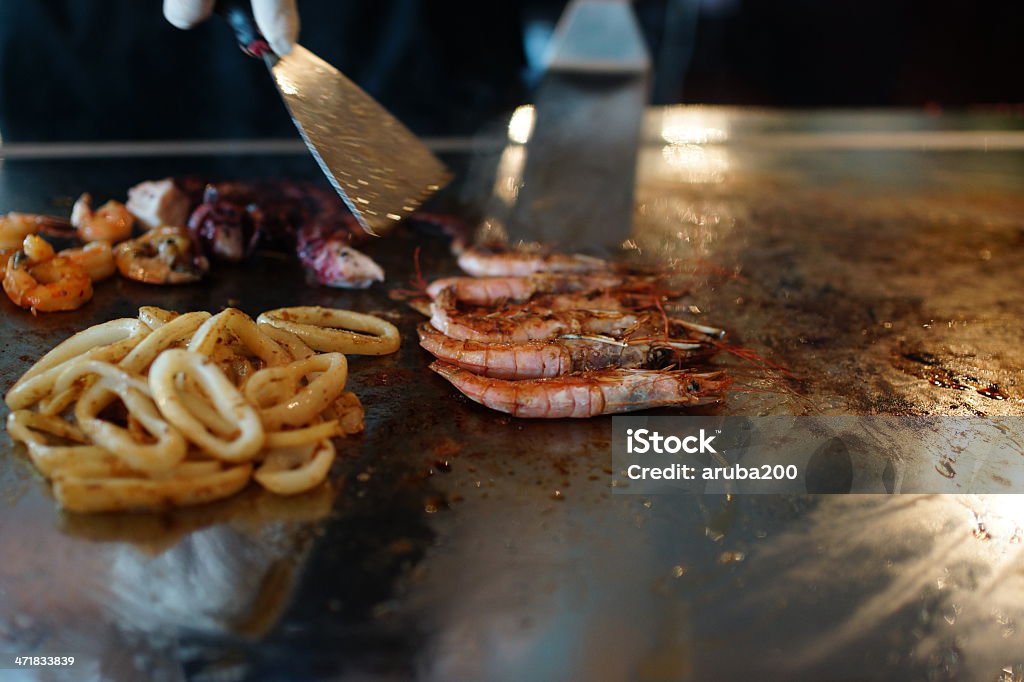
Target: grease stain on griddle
930, 367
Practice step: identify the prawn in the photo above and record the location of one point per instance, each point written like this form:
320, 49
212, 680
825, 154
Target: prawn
497, 261
110, 222
166, 255
529, 325
588, 394
14, 227
493, 290
562, 355
96, 258
37, 279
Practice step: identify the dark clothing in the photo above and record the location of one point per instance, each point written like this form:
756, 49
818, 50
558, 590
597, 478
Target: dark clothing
116, 70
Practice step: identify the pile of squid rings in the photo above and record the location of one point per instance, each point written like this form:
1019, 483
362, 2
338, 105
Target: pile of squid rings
169, 409
547, 335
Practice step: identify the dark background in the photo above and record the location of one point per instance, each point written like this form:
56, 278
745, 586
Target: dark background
84, 69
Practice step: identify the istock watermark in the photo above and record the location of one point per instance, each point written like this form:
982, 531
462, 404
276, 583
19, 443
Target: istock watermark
796, 455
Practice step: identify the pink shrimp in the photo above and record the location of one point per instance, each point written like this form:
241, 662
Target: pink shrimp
588, 394
491, 261
555, 357
493, 290
527, 325
111, 222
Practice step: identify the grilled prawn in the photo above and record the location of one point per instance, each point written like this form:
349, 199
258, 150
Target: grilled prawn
529, 325
564, 355
588, 394
493, 290
484, 261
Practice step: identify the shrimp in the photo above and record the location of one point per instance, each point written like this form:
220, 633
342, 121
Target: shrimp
14, 227
493, 290
110, 222
609, 391
528, 325
490, 261
37, 279
165, 255
96, 258
563, 355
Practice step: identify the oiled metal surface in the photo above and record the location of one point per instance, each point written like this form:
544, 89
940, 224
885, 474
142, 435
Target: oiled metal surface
456, 543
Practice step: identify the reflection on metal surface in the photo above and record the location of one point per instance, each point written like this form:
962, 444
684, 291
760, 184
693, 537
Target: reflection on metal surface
508, 178
520, 125
693, 125
220, 569
567, 175
695, 164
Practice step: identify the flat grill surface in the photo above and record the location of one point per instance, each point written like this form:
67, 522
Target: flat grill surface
455, 542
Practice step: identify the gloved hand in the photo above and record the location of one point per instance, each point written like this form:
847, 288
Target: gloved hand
278, 20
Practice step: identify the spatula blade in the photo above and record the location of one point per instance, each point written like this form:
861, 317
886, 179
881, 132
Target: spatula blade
381, 170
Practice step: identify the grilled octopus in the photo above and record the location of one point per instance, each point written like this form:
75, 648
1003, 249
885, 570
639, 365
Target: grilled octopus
230, 220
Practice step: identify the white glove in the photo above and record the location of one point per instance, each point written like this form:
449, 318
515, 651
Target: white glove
278, 20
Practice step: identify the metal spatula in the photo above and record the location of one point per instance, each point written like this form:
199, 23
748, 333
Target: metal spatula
380, 169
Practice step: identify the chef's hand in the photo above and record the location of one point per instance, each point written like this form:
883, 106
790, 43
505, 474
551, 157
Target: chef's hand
278, 20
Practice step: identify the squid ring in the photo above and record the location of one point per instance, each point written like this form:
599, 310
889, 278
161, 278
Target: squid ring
109, 341
279, 473
295, 437
303, 406
295, 346
25, 426
170, 447
154, 317
334, 330
83, 493
233, 322
226, 399
166, 335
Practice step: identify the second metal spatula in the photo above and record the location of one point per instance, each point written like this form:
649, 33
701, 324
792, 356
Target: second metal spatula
381, 170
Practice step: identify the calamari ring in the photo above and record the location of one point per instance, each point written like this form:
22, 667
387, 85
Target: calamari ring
295, 346
300, 406
170, 446
225, 398
304, 436
290, 471
109, 342
27, 426
232, 322
155, 317
174, 331
335, 330
104, 494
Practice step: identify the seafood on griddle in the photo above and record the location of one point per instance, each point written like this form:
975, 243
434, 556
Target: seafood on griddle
566, 354
332, 262
166, 255
43, 281
495, 290
547, 335
525, 324
232, 219
14, 227
151, 413
111, 222
186, 223
588, 394
156, 203
500, 261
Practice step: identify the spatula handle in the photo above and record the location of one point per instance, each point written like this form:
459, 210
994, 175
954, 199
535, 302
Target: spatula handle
238, 14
